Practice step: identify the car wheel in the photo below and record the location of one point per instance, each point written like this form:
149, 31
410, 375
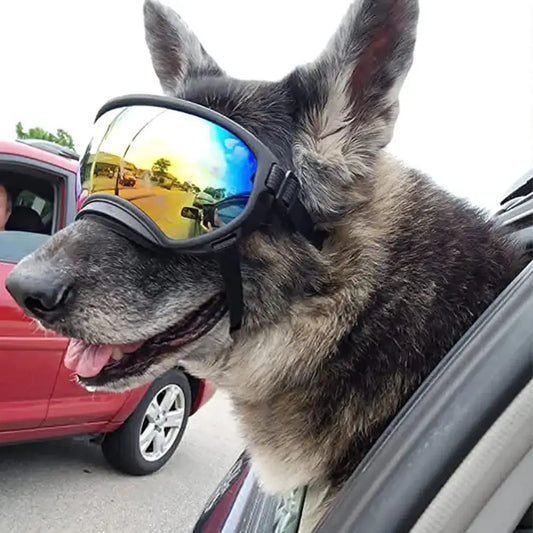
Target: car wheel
149, 437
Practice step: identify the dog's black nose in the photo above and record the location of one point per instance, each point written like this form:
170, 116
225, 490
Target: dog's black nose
40, 295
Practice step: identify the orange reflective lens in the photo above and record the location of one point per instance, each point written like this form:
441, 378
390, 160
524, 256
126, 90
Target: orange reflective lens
188, 174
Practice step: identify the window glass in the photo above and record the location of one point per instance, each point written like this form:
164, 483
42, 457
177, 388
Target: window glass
14, 245
32, 211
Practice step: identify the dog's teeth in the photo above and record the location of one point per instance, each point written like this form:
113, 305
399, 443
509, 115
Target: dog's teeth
117, 355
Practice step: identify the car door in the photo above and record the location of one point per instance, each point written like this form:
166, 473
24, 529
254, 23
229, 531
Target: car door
29, 357
36, 390
71, 404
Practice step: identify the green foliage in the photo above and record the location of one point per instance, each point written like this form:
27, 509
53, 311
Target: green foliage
161, 165
59, 137
217, 194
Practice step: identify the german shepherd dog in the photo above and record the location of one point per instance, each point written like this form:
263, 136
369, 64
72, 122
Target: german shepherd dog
335, 340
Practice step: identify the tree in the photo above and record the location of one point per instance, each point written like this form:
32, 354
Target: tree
59, 137
64, 138
161, 165
217, 194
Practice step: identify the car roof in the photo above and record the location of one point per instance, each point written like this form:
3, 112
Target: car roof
31, 152
52, 147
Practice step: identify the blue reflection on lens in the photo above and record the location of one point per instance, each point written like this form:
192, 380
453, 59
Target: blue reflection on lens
229, 209
240, 167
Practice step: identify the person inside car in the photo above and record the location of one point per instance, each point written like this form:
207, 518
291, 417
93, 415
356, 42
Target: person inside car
5, 206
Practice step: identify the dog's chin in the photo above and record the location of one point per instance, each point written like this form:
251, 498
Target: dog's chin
152, 357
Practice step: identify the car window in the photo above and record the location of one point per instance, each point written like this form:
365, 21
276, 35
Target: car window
33, 197
14, 245
27, 205
32, 200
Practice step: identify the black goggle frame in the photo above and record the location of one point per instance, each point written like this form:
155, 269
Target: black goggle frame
274, 189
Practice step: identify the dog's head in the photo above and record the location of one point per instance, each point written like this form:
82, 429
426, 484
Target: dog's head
328, 120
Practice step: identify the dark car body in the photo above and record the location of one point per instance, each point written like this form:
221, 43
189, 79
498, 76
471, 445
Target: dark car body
449, 460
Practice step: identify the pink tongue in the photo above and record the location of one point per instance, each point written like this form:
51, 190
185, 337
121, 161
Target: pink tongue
87, 360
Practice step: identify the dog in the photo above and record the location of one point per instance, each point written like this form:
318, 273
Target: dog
334, 340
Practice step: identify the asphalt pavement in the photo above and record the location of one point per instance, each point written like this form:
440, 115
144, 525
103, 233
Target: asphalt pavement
65, 485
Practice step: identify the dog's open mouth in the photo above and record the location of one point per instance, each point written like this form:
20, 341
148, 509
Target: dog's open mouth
99, 364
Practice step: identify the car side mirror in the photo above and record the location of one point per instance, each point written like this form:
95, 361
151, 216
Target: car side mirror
190, 212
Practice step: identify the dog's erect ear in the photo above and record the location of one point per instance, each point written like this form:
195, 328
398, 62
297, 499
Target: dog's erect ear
347, 100
176, 52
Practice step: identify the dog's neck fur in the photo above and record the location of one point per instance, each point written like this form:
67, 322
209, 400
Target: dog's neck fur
345, 361
298, 347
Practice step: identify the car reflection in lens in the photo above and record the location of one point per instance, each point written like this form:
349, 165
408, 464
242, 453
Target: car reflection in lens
216, 215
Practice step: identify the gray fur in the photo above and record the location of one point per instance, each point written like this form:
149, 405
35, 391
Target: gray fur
356, 82
333, 341
176, 52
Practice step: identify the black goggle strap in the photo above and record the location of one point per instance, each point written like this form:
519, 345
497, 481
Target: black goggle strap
229, 262
286, 187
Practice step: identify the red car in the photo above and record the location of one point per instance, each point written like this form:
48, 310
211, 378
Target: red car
140, 429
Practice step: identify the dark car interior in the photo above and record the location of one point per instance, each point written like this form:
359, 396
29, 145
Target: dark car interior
33, 197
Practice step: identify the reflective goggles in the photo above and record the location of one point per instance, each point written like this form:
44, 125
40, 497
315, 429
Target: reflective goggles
175, 175
182, 176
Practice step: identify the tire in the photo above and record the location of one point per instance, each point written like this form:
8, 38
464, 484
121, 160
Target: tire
122, 448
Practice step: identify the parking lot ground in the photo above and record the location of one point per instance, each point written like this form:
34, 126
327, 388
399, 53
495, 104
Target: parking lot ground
66, 485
